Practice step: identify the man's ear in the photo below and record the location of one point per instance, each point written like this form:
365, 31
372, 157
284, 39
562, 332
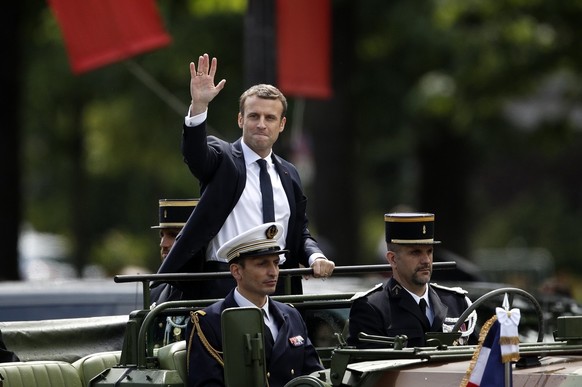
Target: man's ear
391, 257
239, 119
235, 271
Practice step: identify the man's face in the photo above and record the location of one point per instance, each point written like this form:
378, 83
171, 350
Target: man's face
167, 239
261, 123
257, 276
412, 265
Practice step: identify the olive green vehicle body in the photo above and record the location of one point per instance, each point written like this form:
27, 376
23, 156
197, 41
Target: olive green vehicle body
119, 351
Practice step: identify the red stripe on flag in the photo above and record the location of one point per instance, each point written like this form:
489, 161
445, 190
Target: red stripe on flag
303, 47
101, 32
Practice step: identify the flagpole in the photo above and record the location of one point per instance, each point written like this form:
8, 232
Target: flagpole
508, 381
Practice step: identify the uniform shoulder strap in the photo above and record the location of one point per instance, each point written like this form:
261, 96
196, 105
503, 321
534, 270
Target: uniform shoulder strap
217, 355
367, 292
455, 289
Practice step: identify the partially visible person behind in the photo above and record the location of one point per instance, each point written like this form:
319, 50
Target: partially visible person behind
6, 356
408, 304
254, 258
173, 214
243, 185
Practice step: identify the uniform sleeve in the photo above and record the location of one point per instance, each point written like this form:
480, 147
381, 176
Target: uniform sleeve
203, 369
364, 318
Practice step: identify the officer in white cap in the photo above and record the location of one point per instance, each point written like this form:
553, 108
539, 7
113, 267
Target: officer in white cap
254, 259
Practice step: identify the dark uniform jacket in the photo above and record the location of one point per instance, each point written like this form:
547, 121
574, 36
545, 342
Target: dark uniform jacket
390, 310
221, 170
285, 360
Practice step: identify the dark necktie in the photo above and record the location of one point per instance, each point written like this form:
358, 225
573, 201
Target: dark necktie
422, 305
266, 192
268, 333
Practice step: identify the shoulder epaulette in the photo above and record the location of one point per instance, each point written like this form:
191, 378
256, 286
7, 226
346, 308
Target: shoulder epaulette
367, 292
217, 355
455, 289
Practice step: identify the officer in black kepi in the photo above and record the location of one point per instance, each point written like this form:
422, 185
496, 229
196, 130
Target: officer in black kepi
173, 214
408, 304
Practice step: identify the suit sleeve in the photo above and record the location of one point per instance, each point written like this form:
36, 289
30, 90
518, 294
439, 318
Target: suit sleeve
201, 153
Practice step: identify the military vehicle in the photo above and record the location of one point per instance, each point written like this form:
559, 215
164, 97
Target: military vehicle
127, 350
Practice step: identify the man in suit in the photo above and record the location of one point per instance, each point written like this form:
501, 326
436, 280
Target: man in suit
254, 259
232, 195
408, 304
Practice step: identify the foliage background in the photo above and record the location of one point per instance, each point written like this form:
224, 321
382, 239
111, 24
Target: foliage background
470, 109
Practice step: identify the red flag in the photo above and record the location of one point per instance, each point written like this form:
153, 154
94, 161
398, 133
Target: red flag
303, 47
101, 32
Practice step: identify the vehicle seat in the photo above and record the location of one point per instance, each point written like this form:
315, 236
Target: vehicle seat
39, 373
173, 357
92, 365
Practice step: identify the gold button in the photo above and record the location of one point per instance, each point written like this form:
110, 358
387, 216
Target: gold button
292, 371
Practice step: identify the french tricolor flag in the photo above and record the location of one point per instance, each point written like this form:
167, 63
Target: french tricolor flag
498, 345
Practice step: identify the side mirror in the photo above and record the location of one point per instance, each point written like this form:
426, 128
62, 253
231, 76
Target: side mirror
243, 347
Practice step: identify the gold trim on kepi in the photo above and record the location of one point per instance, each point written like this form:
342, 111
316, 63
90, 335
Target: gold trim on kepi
410, 228
258, 241
173, 213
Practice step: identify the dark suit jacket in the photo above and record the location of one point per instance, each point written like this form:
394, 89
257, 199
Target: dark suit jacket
220, 168
390, 310
284, 360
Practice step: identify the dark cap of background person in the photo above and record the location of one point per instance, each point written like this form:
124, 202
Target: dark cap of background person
173, 213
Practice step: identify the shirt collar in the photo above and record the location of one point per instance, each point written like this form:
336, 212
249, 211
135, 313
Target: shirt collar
251, 156
417, 298
242, 301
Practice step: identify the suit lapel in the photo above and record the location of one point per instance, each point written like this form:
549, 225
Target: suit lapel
241, 167
286, 181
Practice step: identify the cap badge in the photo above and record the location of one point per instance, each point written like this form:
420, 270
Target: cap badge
424, 229
271, 232
165, 214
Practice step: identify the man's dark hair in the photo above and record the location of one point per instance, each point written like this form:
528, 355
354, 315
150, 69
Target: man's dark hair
263, 91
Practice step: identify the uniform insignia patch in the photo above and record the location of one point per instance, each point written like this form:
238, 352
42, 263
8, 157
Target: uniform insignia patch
296, 341
396, 289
